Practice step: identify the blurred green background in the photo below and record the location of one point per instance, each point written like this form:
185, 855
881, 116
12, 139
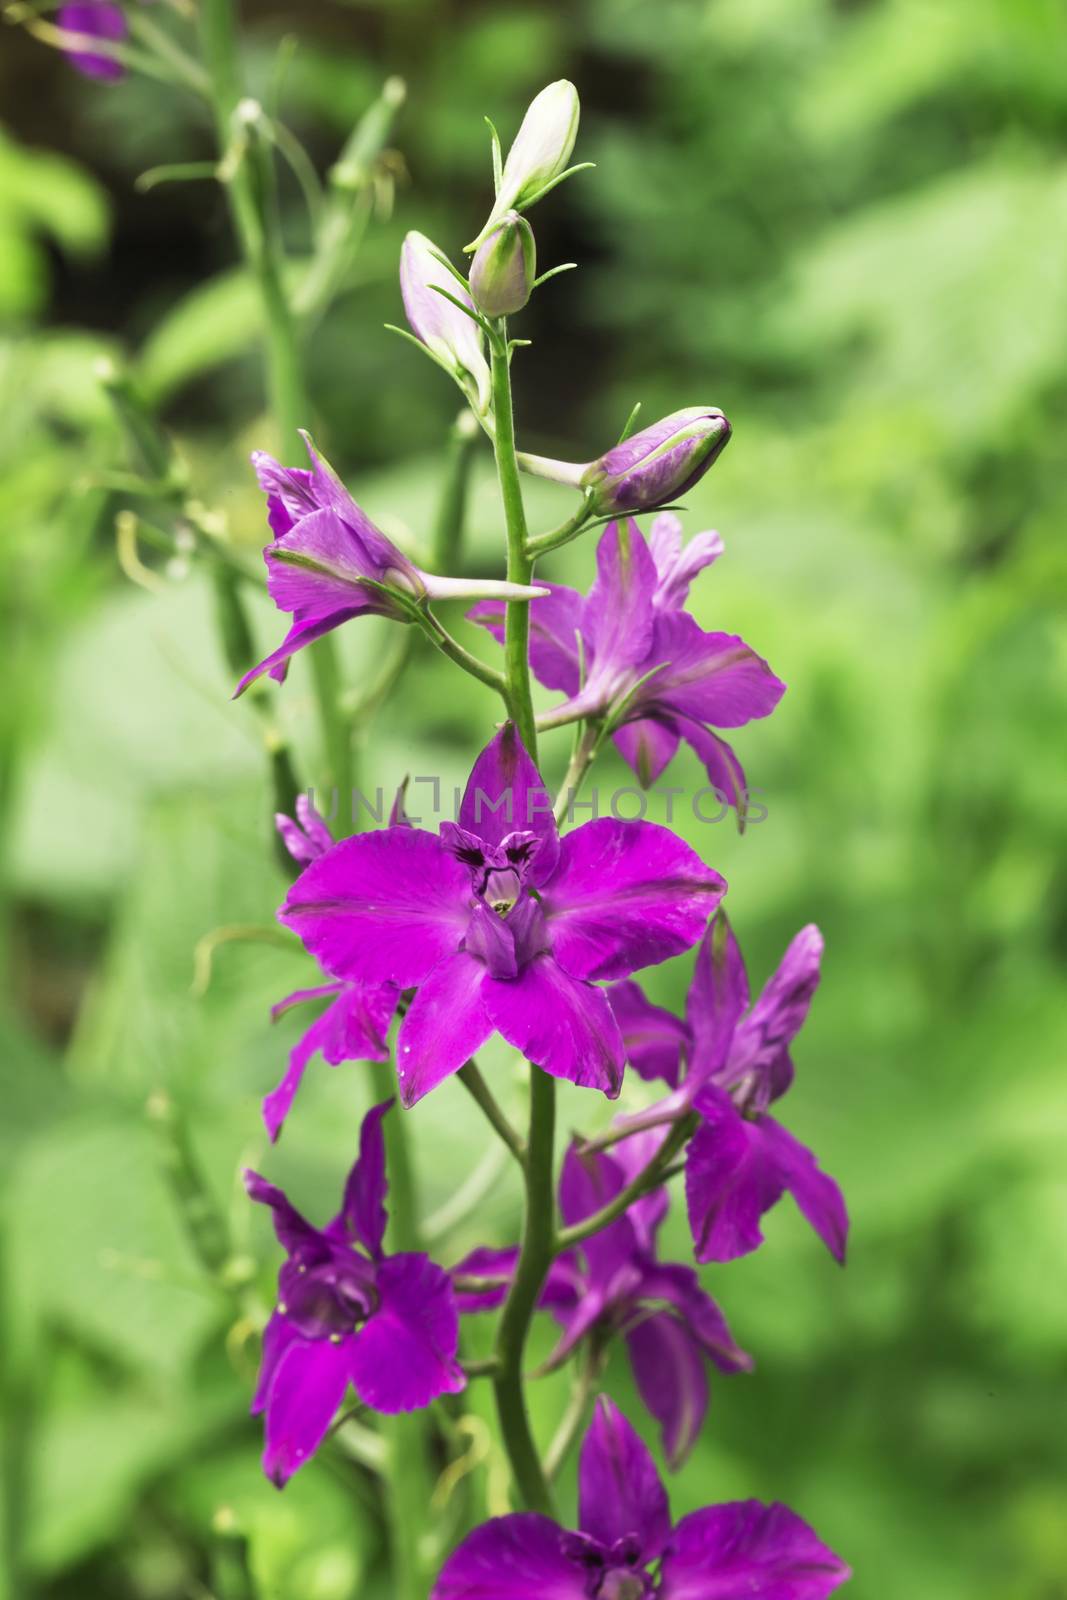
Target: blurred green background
845, 223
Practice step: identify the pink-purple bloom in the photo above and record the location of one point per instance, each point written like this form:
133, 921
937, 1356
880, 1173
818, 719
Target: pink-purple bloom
648, 667
347, 1313
329, 563
658, 464
615, 1285
502, 926
627, 1549
94, 19
741, 1160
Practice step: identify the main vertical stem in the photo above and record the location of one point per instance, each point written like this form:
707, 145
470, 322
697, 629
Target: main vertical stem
252, 205
538, 1233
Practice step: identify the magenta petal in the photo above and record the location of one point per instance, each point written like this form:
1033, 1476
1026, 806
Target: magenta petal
626, 895
309, 1385
677, 567
678, 1288
647, 745
654, 1038
293, 1231
94, 19
747, 1548
382, 907
725, 773
299, 635
353, 1028
617, 619
555, 623
817, 1195
363, 1210
404, 1356
278, 1335
505, 795
731, 1179
717, 998
520, 1557
711, 677
671, 1380
496, 1267
448, 1021
559, 1023
619, 1490
588, 1181
762, 1041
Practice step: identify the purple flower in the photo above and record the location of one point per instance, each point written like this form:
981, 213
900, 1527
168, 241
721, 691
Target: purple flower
614, 1284
659, 463
501, 925
726, 1552
329, 563
453, 339
94, 19
349, 1314
649, 668
740, 1161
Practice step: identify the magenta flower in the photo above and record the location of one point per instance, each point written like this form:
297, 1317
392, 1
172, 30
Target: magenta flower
660, 463
94, 19
349, 1314
615, 1284
740, 1161
648, 667
726, 1552
329, 563
501, 925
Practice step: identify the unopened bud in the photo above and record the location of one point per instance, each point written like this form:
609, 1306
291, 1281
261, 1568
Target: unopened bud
540, 152
503, 271
450, 335
659, 463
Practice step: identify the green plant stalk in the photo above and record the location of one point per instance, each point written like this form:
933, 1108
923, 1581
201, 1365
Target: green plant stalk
250, 189
520, 563
452, 506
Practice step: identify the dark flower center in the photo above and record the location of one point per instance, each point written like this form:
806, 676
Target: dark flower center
330, 1295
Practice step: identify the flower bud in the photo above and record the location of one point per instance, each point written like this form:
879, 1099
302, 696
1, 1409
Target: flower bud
453, 339
504, 269
659, 463
540, 152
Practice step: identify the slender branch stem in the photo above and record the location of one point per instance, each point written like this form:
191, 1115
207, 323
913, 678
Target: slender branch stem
573, 1420
472, 1080
439, 635
585, 752
452, 505
520, 564
650, 1177
582, 519
535, 1258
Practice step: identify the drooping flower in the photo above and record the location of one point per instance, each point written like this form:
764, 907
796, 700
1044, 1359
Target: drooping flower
741, 1549
94, 19
329, 563
502, 925
658, 464
353, 1027
454, 339
348, 1313
614, 1284
741, 1160
539, 154
649, 668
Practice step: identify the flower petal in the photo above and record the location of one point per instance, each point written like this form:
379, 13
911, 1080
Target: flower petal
678, 1288
626, 895
309, 1385
555, 622
654, 1038
617, 618
762, 1041
716, 1000
559, 1023
278, 1335
671, 1380
363, 1212
619, 1489
299, 635
353, 1028
589, 1180
404, 1356
561, 1288
505, 795
725, 773
94, 19
815, 1192
677, 567
293, 1231
448, 1021
747, 1548
711, 677
647, 745
382, 907
731, 1179
519, 1557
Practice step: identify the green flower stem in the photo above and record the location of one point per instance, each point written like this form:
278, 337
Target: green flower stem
440, 637
470, 1077
252, 202
650, 1177
520, 564
585, 753
452, 505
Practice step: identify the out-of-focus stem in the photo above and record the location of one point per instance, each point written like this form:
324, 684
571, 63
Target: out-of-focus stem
452, 505
470, 1077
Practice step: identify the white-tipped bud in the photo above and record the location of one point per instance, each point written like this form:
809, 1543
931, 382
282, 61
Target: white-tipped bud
540, 153
452, 337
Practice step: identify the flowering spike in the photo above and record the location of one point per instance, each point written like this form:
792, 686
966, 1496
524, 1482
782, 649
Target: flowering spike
504, 269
